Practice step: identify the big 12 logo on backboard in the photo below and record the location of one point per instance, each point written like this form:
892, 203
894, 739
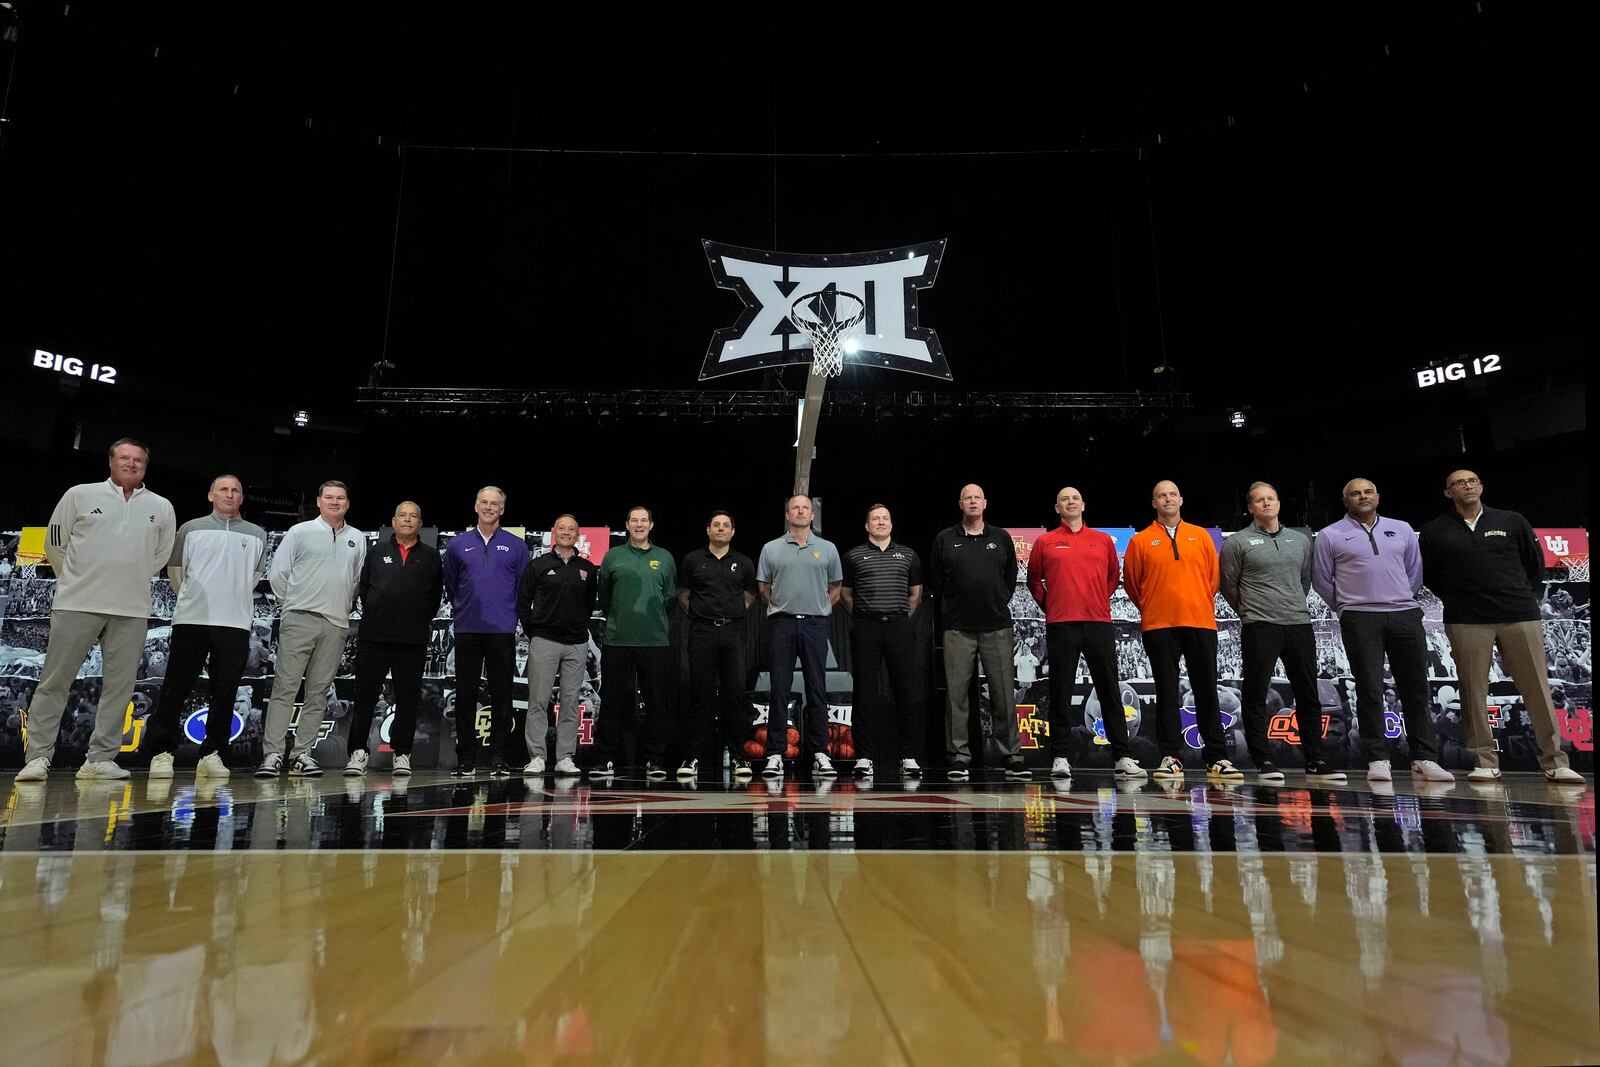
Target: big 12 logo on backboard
885, 281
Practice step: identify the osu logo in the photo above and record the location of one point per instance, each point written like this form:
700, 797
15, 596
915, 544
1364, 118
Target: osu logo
1284, 727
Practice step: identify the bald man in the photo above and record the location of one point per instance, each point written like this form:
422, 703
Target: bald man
972, 570
1369, 569
401, 580
1485, 564
1072, 572
1171, 575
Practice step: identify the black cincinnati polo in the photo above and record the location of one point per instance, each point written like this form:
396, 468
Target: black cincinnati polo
716, 586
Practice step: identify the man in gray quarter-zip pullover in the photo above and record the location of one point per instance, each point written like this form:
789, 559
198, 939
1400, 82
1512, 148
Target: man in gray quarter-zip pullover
106, 540
314, 574
216, 562
1266, 574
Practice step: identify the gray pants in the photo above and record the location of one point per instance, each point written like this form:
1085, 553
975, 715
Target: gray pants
72, 635
963, 649
1522, 651
546, 660
309, 648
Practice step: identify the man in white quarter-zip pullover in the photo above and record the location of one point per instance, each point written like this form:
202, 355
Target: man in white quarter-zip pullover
216, 563
106, 541
313, 574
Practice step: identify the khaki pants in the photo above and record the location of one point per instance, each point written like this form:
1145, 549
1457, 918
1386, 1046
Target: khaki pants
1522, 651
72, 635
309, 649
963, 650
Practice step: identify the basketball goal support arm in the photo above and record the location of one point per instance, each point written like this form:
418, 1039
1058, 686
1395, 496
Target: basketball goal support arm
815, 384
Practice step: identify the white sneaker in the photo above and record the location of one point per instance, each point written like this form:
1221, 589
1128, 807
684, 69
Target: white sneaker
271, 765
402, 767
863, 768
822, 766
161, 765
356, 765
103, 770
211, 766
566, 768
774, 767
1225, 771
1430, 771
910, 768
1060, 768
535, 766
35, 770
1560, 776
1484, 774
1171, 768
1128, 767
1378, 771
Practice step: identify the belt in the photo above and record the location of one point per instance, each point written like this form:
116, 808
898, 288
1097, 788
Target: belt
718, 622
875, 617
791, 615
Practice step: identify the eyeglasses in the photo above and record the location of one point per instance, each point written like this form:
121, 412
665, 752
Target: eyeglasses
1464, 483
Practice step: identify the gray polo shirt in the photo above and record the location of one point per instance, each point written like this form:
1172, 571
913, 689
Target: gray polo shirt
800, 574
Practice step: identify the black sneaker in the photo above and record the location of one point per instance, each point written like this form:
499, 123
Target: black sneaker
654, 771
742, 770
1322, 770
957, 772
608, 769
688, 770
1267, 771
499, 768
464, 770
1015, 768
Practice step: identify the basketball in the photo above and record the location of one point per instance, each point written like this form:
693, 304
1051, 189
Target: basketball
760, 735
754, 749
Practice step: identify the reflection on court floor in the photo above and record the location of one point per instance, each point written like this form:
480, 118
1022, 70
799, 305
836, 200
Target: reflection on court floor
495, 922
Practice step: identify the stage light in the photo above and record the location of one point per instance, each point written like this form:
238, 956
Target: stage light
301, 418
1237, 420
851, 346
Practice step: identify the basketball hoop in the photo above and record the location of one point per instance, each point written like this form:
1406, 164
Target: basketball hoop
1577, 566
819, 316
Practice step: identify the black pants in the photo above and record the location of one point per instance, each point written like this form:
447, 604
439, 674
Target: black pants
807, 636
1197, 647
876, 641
226, 648
488, 737
1264, 643
1368, 635
628, 672
1096, 642
374, 661
719, 707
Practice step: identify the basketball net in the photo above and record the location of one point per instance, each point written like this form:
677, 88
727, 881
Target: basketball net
1577, 566
820, 318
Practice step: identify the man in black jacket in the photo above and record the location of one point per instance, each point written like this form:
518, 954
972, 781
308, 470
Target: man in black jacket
401, 580
1486, 566
555, 597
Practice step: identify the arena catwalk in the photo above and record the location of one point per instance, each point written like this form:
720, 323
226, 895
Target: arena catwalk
540, 920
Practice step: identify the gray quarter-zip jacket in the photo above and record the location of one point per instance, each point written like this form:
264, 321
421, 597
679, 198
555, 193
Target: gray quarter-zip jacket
1266, 577
316, 568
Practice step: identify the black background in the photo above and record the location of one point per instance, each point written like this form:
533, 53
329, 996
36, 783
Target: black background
1295, 206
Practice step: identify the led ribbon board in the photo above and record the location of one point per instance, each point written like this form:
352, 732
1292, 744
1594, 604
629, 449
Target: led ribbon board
886, 281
